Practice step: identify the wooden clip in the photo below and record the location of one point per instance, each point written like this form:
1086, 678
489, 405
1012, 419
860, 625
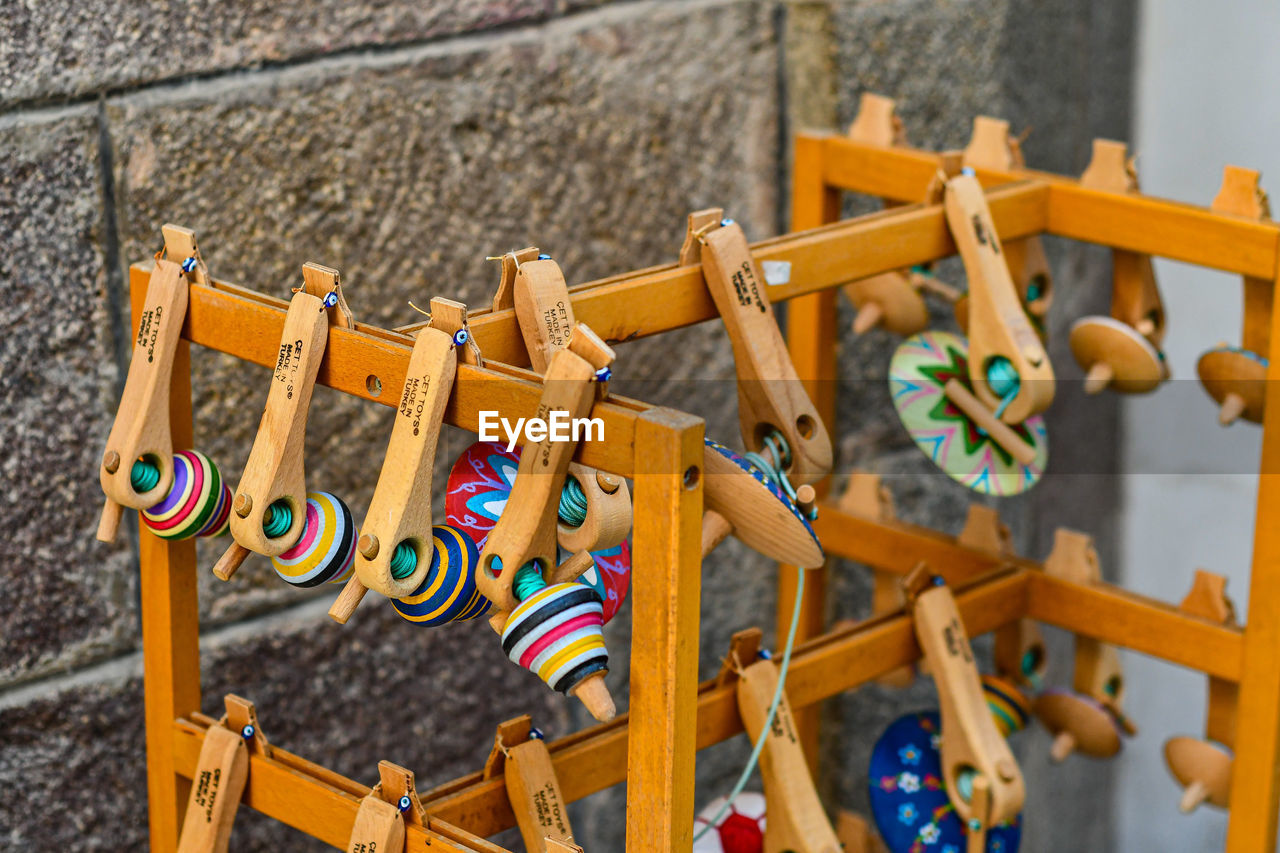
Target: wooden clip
325, 284
998, 327
763, 519
796, 821
179, 247
450, 317
770, 395
141, 428
856, 835
972, 746
992, 147
545, 314
222, 772
511, 731
534, 791
385, 811
504, 297
526, 530
744, 648
1088, 718
1203, 766
400, 510
877, 122
274, 474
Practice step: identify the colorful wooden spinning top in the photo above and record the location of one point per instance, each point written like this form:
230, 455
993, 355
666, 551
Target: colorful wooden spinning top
556, 632
325, 550
1115, 355
743, 500
476, 494
1237, 380
919, 373
198, 502
1081, 723
448, 591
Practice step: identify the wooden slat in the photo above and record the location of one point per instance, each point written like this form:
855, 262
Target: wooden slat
170, 628
1255, 778
666, 614
1104, 612
1134, 222
649, 302
230, 320
596, 758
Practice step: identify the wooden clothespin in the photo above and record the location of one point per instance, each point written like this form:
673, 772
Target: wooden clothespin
526, 530
385, 811
866, 496
992, 147
141, 427
1236, 376
889, 300
545, 314
744, 648
975, 756
520, 754
759, 514
504, 296
796, 821
1203, 766
1090, 717
1121, 351
274, 478
1019, 646
399, 517
771, 398
1009, 369
222, 772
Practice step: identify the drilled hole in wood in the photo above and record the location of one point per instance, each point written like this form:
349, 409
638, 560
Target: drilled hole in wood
805, 426
691, 476
374, 385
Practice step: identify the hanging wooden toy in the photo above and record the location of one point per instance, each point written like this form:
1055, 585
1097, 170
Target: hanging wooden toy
1235, 377
550, 624
1089, 718
386, 811
309, 536
736, 827
428, 572
1202, 766
893, 301
479, 485
775, 413
1121, 351
179, 495
991, 146
948, 777
973, 407
221, 774
521, 757
595, 509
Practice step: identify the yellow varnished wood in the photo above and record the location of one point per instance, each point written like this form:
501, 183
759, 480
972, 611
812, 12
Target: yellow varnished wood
275, 469
998, 327
526, 531
546, 318
770, 396
141, 428
400, 509
970, 740
796, 821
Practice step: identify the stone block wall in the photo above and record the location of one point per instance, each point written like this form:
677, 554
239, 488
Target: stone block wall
401, 143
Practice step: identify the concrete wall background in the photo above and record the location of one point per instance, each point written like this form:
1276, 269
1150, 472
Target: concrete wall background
402, 143
1204, 97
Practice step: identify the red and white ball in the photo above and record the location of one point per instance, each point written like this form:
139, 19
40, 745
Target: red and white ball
740, 830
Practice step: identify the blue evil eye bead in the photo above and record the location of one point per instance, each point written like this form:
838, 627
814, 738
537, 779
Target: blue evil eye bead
448, 591
404, 803
189, 265
460, 337
330, 299
536, 733
604, 374
543, 256
248, 732
726, 222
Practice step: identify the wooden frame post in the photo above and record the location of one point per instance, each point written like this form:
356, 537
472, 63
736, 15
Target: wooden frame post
1255, 789
666, 601
811, 339
170, 629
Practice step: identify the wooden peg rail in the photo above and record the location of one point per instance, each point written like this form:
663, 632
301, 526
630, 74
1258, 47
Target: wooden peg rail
662, 451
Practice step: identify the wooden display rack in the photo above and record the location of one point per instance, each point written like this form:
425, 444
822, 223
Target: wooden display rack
661, 450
